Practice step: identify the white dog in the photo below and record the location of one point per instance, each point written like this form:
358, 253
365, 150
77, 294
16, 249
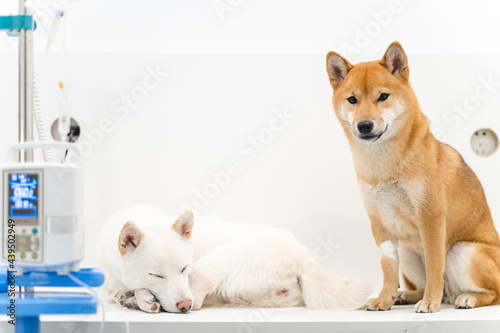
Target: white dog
237, 265
142, 255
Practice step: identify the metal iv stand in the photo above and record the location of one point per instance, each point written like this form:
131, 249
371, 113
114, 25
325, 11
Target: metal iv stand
26, 56
29, 305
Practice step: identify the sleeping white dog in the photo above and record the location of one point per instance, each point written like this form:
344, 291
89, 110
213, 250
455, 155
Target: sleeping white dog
152, 262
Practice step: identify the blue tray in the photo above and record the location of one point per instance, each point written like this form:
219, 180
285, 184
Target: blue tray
29, 306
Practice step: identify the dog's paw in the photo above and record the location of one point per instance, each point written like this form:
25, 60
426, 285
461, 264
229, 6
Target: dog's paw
131, 303
408, 297
426, 306
198, 298
121, 297
379, 304
197, 303
465, 301
146, 301
150, 307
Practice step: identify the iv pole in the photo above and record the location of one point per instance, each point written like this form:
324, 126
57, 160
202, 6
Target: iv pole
26, 56
31, 303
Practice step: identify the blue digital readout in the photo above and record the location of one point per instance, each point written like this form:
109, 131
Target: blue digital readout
23, 195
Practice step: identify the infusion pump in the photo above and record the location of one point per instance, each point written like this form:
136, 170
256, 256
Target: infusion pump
41, 211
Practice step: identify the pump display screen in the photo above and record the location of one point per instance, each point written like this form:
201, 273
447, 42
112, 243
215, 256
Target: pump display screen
23, 195
22, 207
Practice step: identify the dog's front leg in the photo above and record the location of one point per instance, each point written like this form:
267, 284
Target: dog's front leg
200, 281
390, 268
146, 301
432, 233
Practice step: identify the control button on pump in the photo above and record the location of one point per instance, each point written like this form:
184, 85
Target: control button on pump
35, 247
34, 256
35, 239
23, 255
35, 231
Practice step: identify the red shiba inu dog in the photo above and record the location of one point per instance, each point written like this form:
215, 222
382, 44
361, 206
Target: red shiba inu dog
428, 210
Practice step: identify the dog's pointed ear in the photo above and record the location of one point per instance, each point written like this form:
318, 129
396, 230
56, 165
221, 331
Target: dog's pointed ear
130, 237
184, 224
395, 60
337, 68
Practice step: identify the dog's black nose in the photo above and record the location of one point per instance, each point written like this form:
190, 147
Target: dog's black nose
365, 126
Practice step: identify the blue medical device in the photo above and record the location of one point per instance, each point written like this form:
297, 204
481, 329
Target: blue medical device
40, 210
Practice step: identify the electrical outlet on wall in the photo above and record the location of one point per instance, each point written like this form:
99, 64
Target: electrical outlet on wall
484, 142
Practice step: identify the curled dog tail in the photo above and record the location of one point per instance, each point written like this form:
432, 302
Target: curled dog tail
320, 293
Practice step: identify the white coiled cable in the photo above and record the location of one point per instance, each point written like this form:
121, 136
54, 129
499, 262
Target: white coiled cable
42, 134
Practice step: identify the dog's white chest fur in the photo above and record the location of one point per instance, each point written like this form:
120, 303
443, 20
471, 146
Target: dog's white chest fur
396, 204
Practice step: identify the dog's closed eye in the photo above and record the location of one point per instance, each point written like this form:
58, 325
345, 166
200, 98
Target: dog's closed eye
182, 271
157, 275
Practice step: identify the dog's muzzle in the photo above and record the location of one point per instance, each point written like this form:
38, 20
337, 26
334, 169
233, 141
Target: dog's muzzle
365, 130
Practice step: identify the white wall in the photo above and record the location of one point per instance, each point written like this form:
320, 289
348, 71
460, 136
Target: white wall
226, 81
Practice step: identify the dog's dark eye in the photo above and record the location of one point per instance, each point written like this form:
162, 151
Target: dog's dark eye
184, 269
383, 97
352, 100
156, 275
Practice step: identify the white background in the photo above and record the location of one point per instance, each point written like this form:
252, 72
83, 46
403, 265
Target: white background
228, 73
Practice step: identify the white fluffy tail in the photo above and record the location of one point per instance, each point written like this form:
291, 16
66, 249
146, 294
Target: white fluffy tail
320, 293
